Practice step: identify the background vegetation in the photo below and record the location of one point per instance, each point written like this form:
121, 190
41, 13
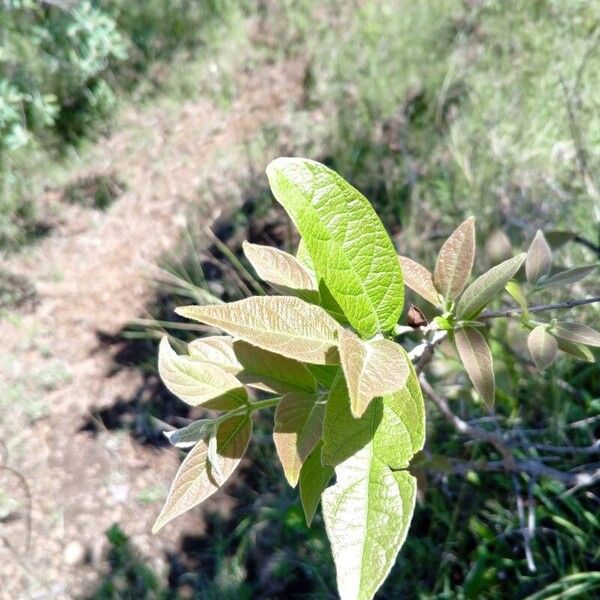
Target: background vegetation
436, 110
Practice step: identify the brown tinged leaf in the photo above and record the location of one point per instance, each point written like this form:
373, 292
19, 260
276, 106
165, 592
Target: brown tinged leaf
455, 261
195, 480
298, 429
415, 317
486, 287
372, 369
577, 332
419, 280
542, 347
476, 357
539, 258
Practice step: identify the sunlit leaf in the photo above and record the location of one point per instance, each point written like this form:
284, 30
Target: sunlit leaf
486, 287
314, 477
347, 242
304, 257
419, 280
216, 350
542, 347
516, 291
298, 429
568, 276
539, 258
199, 383
579, 351
195, 481
476, 357
281, 324
577, 332
187, 436
455, 261
282, 271
374, 368
368, 511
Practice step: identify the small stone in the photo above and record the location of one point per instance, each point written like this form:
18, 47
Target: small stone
73, 554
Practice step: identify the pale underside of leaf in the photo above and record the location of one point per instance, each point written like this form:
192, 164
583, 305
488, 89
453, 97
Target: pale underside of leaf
282, 271
347, 242
195, 480
367, 516
476, 357
298, 429
486, 287
419, 280
579, 351
281, 324
542, 347
216, 350
577, 332
568, 276
188, 436
455, 261
539, 258
314, 478
372, 369
199, 383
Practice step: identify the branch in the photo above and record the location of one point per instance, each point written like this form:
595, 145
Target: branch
516, 312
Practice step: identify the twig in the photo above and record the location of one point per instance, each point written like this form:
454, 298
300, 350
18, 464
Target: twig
515, 312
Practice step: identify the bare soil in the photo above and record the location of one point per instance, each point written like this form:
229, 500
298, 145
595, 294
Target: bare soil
91, 278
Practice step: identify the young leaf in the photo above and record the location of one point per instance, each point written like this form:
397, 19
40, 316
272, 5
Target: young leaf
198, 383
398, 419
374, 368
577, 350
304, 257
577, 332
455, 261
539, 258
216, 350
486, 287
476, 357
298, 429
568, 276
272, 372
542, 347
419, 280
516, 291
282, 271
350, 248
314, 477
187, 436
367, 516
195, 480
281, 324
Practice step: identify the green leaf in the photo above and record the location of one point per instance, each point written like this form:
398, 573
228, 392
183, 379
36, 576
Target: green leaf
199, 383
455, 261
280, 324
398, 419
324, 374
568, 276
282, 271
304, 257
314, 477
195, 480
542, 347
350, 248
419, 280
557, 238
253, 366
373, 368
486, 287
579, 351
539, 258
577, 332
187, 436
368, 511
298, 429
516, 291
475, 355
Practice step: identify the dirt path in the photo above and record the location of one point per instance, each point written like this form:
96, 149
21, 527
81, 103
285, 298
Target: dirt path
91, 275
